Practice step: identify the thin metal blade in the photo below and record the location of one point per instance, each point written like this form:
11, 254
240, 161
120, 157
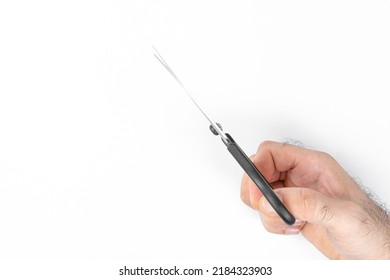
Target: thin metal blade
169, 69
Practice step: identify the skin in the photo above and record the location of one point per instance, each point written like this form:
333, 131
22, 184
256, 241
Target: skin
332, 211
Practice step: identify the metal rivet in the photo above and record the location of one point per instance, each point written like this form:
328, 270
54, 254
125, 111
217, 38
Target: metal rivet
213, 130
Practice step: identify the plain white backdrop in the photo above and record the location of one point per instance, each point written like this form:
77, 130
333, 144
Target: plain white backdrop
102, 156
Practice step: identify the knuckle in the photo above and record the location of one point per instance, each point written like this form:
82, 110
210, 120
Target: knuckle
264, 144
326, 213
308, 201
322, 156
312, 205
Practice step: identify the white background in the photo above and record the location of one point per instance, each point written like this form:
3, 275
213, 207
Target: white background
102, 156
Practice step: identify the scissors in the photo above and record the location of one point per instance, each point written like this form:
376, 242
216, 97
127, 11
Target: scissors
235, 150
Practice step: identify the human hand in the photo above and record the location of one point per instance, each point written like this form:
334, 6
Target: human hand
332, 212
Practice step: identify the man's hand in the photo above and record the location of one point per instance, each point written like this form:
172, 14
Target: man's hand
332, 212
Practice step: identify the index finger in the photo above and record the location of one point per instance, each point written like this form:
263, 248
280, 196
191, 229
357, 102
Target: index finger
282, 165
285, 162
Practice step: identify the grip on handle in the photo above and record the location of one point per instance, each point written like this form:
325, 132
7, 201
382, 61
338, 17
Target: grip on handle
259, 181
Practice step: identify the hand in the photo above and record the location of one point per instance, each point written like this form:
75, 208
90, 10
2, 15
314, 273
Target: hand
332, 212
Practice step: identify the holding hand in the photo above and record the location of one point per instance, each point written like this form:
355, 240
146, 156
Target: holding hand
332, 212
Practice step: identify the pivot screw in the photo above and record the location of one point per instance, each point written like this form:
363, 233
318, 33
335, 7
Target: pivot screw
213, 129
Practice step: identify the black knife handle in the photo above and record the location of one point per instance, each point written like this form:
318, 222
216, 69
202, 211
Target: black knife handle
259, 180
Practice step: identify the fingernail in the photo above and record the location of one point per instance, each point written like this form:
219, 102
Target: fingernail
291, 230
298, 223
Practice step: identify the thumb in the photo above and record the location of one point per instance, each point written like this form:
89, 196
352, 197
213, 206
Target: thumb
310, 206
